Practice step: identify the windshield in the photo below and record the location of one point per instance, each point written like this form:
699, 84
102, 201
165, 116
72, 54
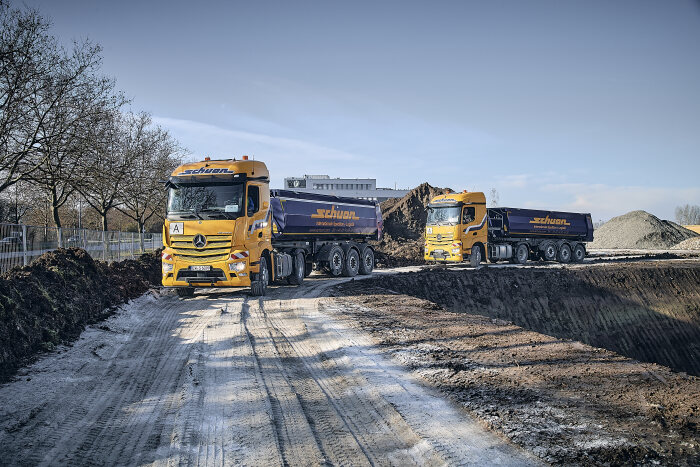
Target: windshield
447, 215
217, 201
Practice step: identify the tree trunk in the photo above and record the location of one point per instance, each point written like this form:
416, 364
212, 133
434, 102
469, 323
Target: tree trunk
56, 219
143, 244
104, 221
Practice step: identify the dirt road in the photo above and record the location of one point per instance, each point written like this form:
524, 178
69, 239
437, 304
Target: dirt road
227, 379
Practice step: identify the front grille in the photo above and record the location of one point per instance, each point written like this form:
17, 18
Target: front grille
217, 247
212, 275
445, 239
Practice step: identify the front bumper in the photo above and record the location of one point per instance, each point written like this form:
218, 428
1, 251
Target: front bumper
442, 254
219, 275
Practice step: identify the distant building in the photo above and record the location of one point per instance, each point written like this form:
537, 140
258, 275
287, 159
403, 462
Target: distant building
363, 188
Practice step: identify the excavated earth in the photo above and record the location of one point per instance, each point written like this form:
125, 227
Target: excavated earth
587, 365
404, 226
51, 301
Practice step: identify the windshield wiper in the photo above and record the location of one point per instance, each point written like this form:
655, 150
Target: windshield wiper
215, 212
186, 214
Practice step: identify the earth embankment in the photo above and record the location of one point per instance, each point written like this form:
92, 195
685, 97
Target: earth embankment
542, 354
646, 311
57, 295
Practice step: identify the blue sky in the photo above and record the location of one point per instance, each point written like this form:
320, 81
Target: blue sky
577, 105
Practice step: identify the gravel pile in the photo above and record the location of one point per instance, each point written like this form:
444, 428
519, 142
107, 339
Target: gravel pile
689, 244
639, 230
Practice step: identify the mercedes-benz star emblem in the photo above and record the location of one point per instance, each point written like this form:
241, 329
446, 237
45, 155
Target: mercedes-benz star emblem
439, 237
199, 241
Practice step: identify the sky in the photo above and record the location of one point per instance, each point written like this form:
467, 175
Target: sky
590, 106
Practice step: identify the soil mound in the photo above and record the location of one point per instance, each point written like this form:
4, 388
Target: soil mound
405, 217
639, 230
51, 300
404, 225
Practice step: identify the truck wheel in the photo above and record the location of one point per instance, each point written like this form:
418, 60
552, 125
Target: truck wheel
522, 252
579, 253
185, 291
549, 252
298, 269
335, 261
366, 261
564, 255
475, 256
352, 263
258, 287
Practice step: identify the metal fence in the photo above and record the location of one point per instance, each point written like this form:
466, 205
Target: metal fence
20, 244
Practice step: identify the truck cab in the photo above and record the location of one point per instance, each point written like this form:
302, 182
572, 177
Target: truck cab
456, 222
217, 226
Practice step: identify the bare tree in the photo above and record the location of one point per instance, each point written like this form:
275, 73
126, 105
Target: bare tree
27, 56
105, 166
688, 214
153, 156
66, 131
493, 198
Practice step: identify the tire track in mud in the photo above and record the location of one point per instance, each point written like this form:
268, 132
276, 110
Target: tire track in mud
54, 428
219, 379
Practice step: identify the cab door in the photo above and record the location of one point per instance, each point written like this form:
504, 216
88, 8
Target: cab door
474, 226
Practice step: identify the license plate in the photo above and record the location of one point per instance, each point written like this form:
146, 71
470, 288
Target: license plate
200, 268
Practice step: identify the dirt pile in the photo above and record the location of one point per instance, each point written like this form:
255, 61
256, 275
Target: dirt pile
51, 300
689, 244
404, 225
639, 230
507, 345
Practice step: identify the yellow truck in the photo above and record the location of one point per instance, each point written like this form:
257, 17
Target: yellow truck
224, 227
461, 228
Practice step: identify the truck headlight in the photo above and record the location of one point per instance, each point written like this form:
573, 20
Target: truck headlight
455, 251
167, 267
238, 267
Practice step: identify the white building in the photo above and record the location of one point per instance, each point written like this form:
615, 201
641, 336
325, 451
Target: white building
363, 188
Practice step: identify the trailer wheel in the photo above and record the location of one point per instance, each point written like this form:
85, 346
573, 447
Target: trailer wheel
298, 269
579, 253
564, 255
335, 261
366, 261
475, 256
549, 252
185, 292
522, 252
258, 287
351, 265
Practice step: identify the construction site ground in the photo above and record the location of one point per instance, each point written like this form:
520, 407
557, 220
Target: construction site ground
502, 365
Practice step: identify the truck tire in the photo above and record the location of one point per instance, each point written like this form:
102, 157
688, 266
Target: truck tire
476, 256
336, 261
258, 287
366, 261
579, 253
564, 255
185, 291
522, 252
351, 265
298, 269
549, 252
